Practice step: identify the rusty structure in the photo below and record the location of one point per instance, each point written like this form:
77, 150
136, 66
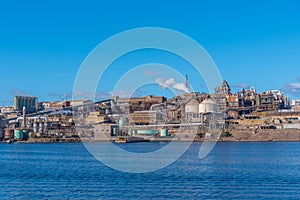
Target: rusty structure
249, 99
222, 94
130, 105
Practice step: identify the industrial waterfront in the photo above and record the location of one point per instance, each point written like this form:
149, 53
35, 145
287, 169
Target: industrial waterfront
193, 116
138, 100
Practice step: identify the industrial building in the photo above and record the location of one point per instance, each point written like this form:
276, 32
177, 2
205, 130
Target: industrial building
249, 99
129, 105
194, 109
295, 103
25, 101
145, 117
189, 113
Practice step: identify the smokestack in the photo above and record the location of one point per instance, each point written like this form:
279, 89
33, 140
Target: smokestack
187, 82
24, 117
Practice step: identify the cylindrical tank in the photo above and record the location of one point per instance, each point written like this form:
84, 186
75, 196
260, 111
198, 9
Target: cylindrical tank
134, 132
208, 105
164, 132
9, 134
121, 122
45, 127
147, 132
25, 134
18, 134
192, 106
115, 131
35, 127
130, 132
41, 127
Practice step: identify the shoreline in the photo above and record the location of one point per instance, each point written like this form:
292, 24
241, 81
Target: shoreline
282, 135
233, 139
195, 141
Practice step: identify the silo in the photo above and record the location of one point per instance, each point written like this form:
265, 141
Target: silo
207, 105
192, 106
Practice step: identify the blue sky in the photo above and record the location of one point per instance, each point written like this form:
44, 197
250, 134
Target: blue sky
43, 43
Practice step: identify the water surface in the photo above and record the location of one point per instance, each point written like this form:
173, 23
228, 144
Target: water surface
230, 171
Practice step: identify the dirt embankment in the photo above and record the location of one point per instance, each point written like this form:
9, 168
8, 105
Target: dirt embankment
263, 135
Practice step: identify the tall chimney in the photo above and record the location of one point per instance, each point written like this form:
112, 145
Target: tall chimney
187, 82
24, 117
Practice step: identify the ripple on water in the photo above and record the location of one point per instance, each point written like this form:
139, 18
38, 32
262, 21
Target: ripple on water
231, 171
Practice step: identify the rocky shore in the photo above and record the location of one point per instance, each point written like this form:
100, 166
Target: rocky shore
291, 135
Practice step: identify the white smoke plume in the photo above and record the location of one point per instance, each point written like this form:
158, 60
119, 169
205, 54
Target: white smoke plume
171, 83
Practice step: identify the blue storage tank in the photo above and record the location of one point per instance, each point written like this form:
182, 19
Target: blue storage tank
164, 132
147, 132
18, 134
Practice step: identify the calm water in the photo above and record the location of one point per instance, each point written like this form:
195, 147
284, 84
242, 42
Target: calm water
230, 171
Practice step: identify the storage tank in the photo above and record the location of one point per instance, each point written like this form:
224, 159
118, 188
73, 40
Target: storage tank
41, 127
35, 127
115, 131
208, 105
45, 127
18, 134
134, 132
122, 122
164, 132
192, 106
147, 132
25, 134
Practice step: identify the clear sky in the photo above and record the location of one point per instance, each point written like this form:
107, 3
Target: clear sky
43, 43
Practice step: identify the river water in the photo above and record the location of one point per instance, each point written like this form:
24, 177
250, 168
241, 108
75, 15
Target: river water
230, 171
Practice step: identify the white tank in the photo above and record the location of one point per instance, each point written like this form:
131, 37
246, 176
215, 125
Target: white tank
192, 106
208, 105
